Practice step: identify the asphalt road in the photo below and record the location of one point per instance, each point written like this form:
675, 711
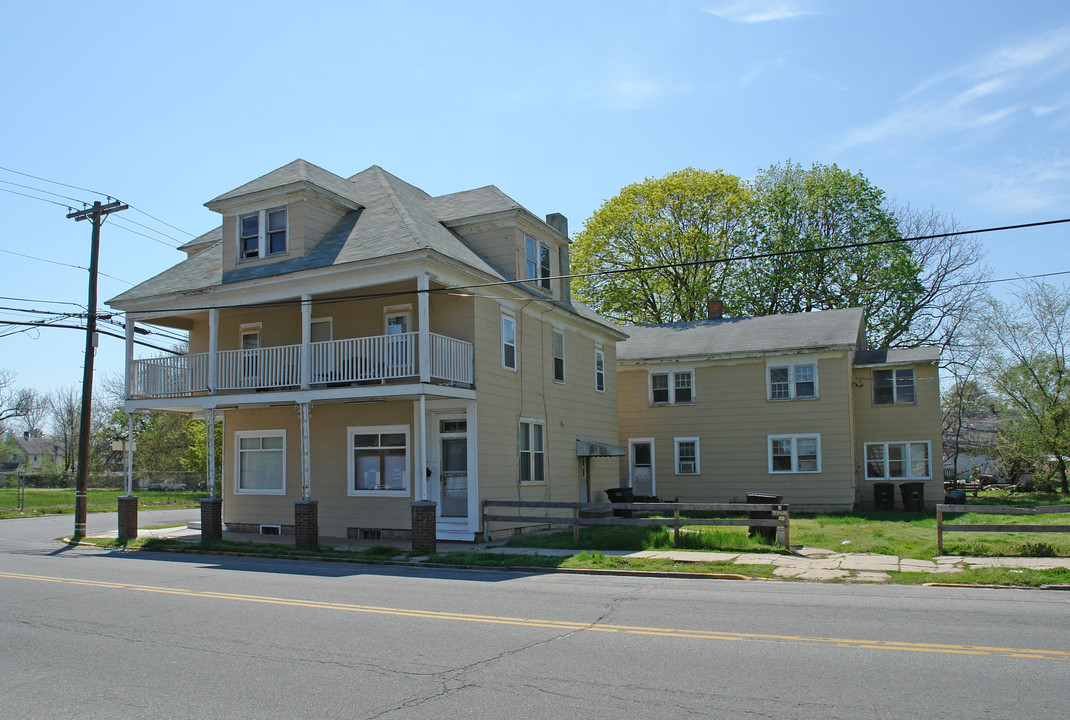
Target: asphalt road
94, 634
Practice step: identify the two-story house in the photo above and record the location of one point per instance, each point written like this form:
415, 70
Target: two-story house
368, 346
791, 405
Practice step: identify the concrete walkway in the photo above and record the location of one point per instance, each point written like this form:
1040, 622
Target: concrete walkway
804, 563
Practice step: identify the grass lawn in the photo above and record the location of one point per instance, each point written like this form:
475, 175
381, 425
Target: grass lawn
909, 535
61, 501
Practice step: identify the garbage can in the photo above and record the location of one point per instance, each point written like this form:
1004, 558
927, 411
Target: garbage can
884, 496
913, 496
955, 497
768, 533
620, 495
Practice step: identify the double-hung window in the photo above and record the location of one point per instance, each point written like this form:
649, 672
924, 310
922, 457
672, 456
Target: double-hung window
537, 262
532, 452
686, 456
508, 342
559, 356
379, 460
792, 382
599, 369
262, 233
893, 387
672, 388
794, 453
897, 461
261, 460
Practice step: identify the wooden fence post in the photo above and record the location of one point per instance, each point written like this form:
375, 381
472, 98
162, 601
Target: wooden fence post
576, 525
676, 527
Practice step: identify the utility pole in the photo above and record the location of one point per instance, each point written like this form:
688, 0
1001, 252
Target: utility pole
95, 214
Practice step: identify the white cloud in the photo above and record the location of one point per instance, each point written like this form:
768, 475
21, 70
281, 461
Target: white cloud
982, 93
758, 11
1025, 186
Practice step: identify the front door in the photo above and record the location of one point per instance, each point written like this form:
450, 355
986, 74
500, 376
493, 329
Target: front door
453, 469
641, 465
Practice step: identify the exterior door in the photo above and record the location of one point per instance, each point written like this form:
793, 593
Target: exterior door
250, 361
398, 343
453, 469
641, 466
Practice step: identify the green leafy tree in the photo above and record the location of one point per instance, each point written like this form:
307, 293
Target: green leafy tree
687, 216
1025, 362
195, 458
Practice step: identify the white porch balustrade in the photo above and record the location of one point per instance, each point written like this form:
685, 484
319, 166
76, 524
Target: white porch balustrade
353, 360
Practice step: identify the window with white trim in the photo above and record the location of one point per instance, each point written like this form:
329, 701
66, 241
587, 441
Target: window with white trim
897, 461
508, 342
686, 455
537, 261
262, 233
792, 381
672, 388
559, 356
261, 462
379, 460
794, 453
893, 387
532, 451
599, 369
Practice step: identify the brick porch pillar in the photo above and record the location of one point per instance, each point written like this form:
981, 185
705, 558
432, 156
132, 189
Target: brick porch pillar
127, 517
211, 519
424, 530
306, 524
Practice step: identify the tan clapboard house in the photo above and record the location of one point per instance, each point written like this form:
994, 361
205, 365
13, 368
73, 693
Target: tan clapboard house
368, 346
791, 405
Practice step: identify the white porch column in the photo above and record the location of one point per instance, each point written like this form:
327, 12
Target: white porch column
213, 350
423, 307
209, 428
421, 449
129, 450
129, 355
306, 341
304, 409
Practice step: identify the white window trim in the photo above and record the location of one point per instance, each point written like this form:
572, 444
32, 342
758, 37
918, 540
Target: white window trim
895, 387
238, 436
599, 357
771, 365
351, 479
909, 463
531, 440
553, 370
794, 453
393, 311
509, 317
262, 234
676, 455
330, 324
672, 386
536, 278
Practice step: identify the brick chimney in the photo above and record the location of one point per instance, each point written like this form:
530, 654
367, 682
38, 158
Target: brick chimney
715, 309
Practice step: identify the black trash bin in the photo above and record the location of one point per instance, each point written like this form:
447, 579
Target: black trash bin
955, 497
884, 496
620, 495
768, 533
913, 496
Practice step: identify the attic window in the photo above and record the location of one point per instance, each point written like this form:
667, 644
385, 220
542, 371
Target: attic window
537, 262
261, 234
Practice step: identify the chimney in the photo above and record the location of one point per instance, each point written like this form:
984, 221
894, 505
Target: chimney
560, 223
715, 309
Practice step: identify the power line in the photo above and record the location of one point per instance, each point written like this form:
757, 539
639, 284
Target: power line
54, 302
135, 232
41, 190
161, 221
150, 229
56, 262
82, 328
55, 182
34, 197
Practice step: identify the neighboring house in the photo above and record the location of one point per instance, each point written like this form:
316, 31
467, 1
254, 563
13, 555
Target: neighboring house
38, 454
368, 345
790, 405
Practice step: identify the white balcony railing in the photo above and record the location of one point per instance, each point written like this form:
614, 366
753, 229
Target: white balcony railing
353, 360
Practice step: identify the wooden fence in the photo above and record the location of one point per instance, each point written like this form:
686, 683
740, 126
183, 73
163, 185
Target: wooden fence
779, 515
941, 527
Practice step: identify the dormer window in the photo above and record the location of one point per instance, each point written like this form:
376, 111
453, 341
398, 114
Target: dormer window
537, 261
261, 234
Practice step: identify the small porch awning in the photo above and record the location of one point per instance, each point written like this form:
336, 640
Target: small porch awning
593, 448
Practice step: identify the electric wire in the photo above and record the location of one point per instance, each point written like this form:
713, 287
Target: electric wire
57, 262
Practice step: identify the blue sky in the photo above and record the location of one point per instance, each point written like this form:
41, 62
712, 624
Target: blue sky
961, 106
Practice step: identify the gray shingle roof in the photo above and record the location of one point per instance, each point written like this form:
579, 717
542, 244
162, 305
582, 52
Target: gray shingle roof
295, 172
209, 238
471, 203
898, 356
734, 336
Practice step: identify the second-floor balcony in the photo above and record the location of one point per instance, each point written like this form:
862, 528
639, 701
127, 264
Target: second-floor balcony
375, 359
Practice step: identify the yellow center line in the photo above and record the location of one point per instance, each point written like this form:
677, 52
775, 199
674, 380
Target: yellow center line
561, 624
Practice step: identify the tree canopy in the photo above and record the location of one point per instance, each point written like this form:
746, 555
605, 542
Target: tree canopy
772, 245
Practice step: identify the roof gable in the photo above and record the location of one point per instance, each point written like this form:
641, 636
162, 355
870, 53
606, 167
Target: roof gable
298, 172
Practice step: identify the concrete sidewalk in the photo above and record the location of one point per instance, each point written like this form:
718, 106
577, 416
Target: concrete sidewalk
804, 563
